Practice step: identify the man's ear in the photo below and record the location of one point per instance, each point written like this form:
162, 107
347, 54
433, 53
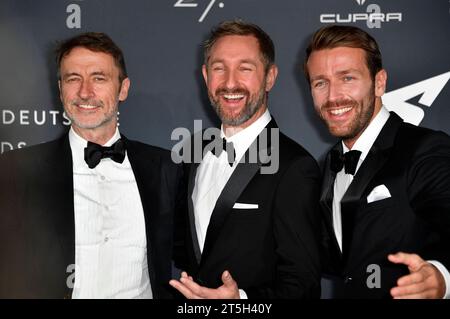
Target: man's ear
380, 82
123, 94
60, 92
205, 73
271, 77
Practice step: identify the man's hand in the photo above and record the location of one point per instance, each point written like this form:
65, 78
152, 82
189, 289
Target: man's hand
425, 281
191, 290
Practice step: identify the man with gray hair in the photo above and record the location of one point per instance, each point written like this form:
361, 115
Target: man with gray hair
90, 214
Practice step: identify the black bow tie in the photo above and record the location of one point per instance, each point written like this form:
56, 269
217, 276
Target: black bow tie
349, 160
227, 147
93, 153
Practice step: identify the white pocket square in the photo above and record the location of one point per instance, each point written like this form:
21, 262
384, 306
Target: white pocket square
378, 193
245, 206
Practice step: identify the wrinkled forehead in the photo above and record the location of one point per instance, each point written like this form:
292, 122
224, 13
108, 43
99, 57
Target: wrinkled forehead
82, 59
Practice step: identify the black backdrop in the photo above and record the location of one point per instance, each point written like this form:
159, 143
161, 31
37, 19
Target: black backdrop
162, 40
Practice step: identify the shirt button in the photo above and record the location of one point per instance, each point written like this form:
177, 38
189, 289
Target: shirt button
106, 239
102, 178
106, 207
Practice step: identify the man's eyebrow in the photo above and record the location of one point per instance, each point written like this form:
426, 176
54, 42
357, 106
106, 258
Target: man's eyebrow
249, 61
66, 75
347, 71
98, 73
317, 77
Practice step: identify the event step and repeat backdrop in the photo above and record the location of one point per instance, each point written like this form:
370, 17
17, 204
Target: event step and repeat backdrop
161, 40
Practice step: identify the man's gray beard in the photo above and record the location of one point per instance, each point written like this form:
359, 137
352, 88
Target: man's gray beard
105, 120
245, 115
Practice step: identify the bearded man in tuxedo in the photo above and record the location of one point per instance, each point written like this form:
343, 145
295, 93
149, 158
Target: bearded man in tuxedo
386, 186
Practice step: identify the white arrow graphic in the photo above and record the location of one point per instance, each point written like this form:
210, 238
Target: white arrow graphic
429, 88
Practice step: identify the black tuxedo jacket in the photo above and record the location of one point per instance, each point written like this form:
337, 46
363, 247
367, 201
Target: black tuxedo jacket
37, 227
271, 251
414, 164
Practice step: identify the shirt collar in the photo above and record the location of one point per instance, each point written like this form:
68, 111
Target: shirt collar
365, 141
243, 139
78, 144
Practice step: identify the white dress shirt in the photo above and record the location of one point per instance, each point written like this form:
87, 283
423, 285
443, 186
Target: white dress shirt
213, 174
110, 237
342, 182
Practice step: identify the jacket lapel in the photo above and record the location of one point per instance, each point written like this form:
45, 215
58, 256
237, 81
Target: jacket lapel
191, 184
374, 161
238, 181
243, 173
326, 202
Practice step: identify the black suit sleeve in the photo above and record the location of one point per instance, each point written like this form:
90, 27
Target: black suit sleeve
297, 228
429, 191
11, 230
